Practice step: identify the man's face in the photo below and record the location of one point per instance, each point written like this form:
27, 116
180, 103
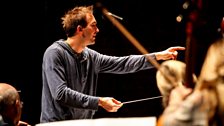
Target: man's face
90, 31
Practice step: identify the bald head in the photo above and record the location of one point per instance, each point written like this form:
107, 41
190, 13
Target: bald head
8, 94
4, 87
10, 105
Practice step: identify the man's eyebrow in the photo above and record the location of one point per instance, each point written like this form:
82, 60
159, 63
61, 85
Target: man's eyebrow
94, 22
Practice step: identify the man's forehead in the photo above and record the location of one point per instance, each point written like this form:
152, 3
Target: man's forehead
90, 18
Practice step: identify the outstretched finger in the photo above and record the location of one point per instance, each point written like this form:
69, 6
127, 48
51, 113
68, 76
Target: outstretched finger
177, 48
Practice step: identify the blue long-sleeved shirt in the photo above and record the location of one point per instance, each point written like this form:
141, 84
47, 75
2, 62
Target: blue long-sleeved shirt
70, 80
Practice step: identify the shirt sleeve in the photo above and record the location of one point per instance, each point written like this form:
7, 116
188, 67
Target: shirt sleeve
123, 64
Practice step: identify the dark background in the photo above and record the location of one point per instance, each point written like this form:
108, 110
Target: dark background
29, 27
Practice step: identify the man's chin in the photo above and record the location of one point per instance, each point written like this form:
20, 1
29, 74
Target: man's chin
92, 43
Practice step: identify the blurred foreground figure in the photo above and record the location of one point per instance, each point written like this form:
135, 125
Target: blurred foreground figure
201, 106
176, 70
10, 106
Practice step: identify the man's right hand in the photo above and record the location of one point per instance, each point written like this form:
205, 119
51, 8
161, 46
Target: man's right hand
109, 104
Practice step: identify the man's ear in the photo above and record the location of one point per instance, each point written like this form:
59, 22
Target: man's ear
18, 103
18, 106
79, 28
